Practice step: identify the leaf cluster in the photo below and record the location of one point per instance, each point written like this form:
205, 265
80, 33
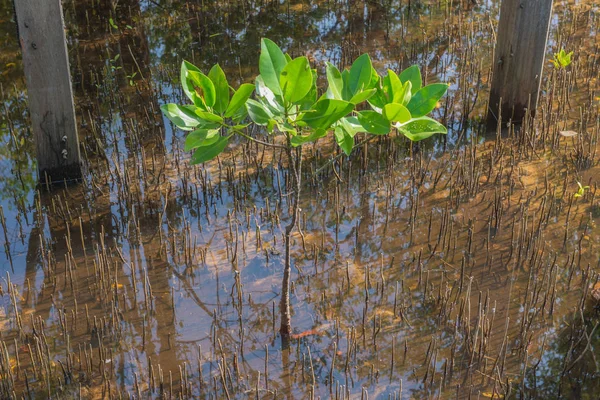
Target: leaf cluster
287, 101
562, 59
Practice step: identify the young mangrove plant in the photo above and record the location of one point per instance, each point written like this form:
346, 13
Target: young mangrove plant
581, 191
562, 59
288, 104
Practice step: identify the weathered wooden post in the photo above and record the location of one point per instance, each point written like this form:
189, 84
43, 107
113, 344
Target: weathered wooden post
49, 92
519, 58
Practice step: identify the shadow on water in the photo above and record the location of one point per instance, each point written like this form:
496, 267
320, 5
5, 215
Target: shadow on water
457, 267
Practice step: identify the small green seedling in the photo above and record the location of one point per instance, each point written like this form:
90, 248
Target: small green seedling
113, 24
562, 59
130, 79
288, 103
581, 190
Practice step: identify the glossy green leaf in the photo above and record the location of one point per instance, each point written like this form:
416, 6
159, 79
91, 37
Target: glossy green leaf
272, 102
183, 117
334, 78
346, 92
421, 128
211, 137
394, 86
194, 139
344, 140
378, 100
400, 92
362, 96
395, 112
313, 136
239, 99
296, 80
258, 112
207, 153
286, 127
374, 122
403, 95
412, 74
219, 80
351, 125
326, 112
375, 79
309, 100
209, 117
424, 100
187, 86
271, 63
203, 87
360, 74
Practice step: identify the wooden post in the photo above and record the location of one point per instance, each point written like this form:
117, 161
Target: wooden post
519, 58
49, 92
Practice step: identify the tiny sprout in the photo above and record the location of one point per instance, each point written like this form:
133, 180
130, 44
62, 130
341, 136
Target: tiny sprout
581, 190
562, 59
113, 24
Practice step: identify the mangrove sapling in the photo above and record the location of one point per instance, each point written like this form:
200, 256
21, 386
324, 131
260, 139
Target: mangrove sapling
287, 104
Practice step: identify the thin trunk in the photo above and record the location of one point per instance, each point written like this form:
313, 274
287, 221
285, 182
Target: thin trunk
295, 162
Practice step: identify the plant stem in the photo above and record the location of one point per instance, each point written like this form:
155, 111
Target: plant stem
295, 162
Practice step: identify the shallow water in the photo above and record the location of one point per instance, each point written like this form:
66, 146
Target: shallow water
454, 268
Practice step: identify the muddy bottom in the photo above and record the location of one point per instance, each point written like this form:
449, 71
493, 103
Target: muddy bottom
462, 267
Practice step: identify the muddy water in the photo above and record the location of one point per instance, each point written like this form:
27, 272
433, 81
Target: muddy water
460, 267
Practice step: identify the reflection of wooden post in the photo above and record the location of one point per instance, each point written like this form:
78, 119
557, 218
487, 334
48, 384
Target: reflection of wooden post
519, 57
46, 66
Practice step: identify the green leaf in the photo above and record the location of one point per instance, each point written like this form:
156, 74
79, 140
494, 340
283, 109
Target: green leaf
312, 137
274, 103
396, 90
239, 99
412, 74
182, 116
336, 83
194, 139
375, 79
203, 87
309, 100
219, 80
362, 96
239, 115
209, 117
270, 64
296, 80
326, 112
360, 74
346, 92
374, 122
395, 86
401, 91
378, 100
258, 113
206, 153
187, 86
344, 140
351, 125
424, 101
404, 95
421, 128
395, 112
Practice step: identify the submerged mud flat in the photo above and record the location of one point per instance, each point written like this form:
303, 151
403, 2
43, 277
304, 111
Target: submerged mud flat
463, 266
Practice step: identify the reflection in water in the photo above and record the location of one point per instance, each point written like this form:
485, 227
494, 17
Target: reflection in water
418, 273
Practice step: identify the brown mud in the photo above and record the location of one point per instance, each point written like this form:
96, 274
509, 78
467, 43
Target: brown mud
462, 267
